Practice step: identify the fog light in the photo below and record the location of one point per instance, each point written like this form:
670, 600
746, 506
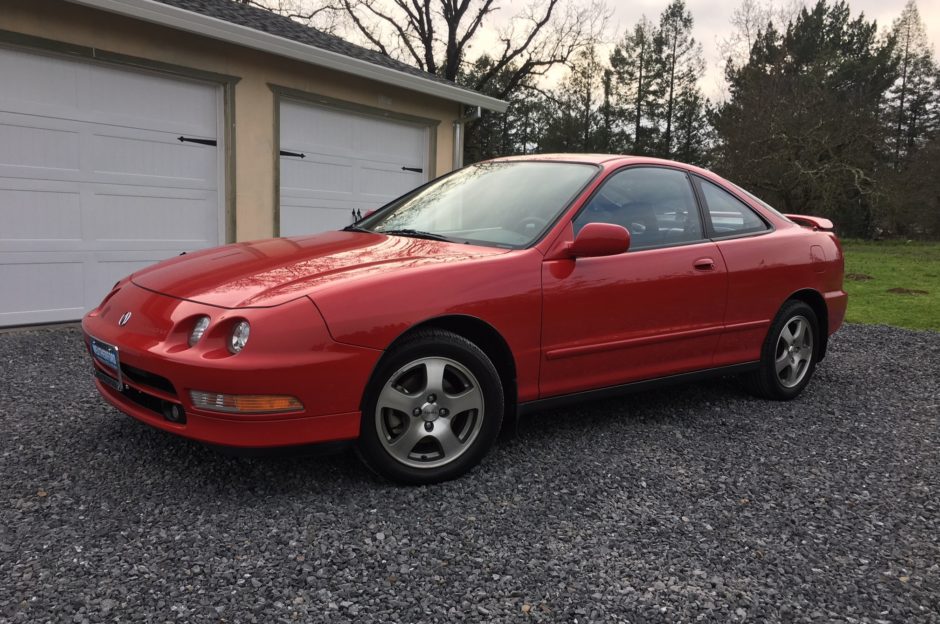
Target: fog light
198, 330
173, 412
244, 403
239, 337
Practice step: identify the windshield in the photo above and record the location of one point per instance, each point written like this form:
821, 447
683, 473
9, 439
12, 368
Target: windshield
506, 204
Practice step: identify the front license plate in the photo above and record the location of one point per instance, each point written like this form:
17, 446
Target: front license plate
109, 356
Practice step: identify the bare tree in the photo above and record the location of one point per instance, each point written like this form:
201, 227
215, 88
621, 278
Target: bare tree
436, 35
748, 20
322, 15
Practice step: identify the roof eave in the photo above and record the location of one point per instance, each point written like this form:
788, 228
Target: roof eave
204, 25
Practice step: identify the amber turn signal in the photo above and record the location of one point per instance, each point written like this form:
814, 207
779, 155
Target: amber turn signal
244, 403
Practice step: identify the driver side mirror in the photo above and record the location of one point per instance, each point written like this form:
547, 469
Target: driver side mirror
600, 239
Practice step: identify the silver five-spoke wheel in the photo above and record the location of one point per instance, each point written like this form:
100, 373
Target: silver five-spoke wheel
429, 412
794, 351
789, 353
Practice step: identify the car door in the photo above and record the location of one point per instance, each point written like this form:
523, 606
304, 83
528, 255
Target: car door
654, 311
759, 270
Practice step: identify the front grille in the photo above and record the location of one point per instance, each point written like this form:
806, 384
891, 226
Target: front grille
145, 378
147, 401
172, 412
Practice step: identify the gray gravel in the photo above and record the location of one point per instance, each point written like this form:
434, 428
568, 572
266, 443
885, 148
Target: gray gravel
690, 504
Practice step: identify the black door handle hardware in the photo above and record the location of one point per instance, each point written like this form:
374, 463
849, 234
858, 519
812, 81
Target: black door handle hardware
415, 169
183, 139
294, 154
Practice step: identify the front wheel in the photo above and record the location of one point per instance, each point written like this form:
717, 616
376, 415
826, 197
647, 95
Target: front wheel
432, 409
788, 356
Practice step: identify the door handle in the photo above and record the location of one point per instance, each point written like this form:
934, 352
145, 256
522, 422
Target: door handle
704, 264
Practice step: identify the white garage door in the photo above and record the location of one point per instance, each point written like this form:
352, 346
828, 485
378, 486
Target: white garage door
349, 162
94, 180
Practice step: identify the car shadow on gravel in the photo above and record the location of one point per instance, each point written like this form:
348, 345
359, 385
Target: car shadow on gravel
145, 455
670, 404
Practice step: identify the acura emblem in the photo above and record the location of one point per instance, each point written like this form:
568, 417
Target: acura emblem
124, 319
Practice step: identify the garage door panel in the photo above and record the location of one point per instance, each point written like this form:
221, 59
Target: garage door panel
31, 215
317, 173
154, 156
380, 140
147, 100
386, 182
329, 129
61, 292
59, 82
157, 217
305, 218
352, 162
23, 145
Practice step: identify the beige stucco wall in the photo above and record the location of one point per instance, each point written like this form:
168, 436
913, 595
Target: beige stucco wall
255, 102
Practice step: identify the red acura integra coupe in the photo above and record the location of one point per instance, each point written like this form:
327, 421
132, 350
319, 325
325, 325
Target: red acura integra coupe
500, 288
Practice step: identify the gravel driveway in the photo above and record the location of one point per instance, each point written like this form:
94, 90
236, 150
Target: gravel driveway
689, 504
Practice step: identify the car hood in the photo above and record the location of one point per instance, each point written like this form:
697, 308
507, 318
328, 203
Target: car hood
273, 271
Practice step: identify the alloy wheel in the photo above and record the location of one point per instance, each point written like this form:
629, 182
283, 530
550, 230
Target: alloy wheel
429, 412
794, 351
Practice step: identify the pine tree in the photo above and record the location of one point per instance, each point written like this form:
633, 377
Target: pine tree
578, 110
680, 63
913, 102
633, 62
693, 129
803, 125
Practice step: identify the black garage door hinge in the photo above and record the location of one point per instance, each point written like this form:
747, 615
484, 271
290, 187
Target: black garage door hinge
294, 154
183, 139
415, 169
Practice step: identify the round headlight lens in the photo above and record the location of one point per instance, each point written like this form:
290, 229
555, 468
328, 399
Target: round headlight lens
239, 336
198, 330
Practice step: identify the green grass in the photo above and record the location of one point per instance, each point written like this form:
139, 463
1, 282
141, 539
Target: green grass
913, 266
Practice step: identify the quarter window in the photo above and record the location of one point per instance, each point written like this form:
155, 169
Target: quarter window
729, 215
656, 205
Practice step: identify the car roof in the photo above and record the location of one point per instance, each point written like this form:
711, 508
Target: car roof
612, 161
584, 158
601, 159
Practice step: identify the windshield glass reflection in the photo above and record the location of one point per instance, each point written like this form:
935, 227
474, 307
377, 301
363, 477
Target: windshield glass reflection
507, 204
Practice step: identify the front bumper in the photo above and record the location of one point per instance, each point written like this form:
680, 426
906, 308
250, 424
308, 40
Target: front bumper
290, 353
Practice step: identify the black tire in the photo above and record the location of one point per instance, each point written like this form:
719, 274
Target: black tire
769, 383
381, 427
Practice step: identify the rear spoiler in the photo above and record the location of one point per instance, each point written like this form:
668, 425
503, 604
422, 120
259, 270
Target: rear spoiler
817, 223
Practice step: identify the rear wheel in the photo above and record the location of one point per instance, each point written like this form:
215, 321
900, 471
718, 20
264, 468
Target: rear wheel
788, 356
432, 409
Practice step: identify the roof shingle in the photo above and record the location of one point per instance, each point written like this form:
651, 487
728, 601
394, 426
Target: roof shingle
281, 26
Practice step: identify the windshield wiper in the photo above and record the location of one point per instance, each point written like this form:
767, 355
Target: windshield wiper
356, 228
417, 234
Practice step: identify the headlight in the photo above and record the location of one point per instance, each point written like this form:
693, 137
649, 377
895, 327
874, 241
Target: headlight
198, 330
239, 337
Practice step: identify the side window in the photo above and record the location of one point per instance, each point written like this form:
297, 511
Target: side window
656, 205
729, 215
